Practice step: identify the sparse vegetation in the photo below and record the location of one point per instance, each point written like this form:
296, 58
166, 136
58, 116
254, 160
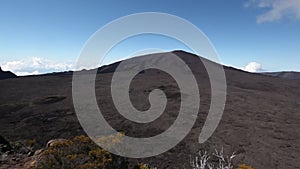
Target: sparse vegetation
144, 166
217, 160
82, 153
79, 153
244, 166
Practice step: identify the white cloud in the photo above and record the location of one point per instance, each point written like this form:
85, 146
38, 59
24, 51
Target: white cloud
27, 73
253, 67
276, 9
35, 65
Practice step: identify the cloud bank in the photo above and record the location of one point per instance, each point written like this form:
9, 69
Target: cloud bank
35, 65
276, 9
253, 67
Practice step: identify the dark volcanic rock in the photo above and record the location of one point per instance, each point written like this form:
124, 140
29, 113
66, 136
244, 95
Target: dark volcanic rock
50, 100
4, 145
6, 74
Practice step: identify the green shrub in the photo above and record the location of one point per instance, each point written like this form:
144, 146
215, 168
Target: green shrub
79, 153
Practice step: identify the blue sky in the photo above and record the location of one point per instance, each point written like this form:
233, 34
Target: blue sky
43, 36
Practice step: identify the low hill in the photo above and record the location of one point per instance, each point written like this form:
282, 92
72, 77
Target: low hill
286, 75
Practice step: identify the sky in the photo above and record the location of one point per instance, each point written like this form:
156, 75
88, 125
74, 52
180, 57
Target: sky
39, 36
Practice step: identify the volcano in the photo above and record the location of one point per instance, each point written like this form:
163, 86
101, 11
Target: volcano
260, 121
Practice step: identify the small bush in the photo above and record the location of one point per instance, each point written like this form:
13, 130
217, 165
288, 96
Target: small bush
79, 153
244, 166
143, 166
30, 142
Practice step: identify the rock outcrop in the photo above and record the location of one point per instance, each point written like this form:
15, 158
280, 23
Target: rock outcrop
6, 74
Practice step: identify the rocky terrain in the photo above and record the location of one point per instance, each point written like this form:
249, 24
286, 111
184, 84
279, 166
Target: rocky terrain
287, 75
6, 74
260, 122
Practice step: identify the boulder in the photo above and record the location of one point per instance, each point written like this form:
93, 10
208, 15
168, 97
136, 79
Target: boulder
4, 145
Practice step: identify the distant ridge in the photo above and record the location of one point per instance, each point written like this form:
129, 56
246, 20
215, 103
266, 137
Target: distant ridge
285, 74
6, 74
